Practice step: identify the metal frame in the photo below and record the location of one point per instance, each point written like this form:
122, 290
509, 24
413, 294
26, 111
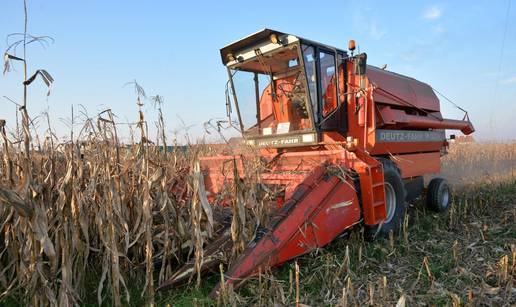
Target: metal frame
308, 103
309, 97
315, 116
340, 104
320, 49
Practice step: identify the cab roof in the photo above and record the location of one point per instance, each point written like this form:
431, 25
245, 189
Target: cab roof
396, 87
261, 36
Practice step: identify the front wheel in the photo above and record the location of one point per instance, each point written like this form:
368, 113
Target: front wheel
394, 200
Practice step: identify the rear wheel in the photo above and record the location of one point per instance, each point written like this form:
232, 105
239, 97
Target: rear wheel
438, 195
395, 203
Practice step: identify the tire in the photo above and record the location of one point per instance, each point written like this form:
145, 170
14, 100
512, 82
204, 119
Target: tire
438, 195
395, 198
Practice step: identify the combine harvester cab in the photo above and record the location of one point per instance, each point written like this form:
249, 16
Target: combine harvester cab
349, 143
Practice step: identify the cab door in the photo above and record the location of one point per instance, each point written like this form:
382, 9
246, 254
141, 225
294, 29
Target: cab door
331, 88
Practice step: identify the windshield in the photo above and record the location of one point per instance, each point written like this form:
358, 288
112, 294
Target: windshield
271, 93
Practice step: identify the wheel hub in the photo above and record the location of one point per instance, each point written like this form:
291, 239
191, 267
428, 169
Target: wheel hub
390, 202
445, 197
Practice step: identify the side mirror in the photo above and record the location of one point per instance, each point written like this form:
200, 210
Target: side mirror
360, 64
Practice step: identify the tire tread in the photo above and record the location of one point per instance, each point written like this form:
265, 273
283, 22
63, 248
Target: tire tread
432, 195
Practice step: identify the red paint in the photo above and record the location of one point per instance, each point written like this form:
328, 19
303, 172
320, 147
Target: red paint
312, 218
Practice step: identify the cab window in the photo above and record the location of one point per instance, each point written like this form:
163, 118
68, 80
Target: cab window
328, 82
310, 68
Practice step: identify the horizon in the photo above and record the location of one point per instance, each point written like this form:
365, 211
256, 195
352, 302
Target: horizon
173, 50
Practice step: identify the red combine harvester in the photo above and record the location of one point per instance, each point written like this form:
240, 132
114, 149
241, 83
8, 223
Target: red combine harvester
309, 108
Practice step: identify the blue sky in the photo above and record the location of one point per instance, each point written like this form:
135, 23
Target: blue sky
172, 49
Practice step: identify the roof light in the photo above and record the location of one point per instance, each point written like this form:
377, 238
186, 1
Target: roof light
351, 44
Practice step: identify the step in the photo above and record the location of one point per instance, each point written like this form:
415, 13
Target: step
379, 184
378, 203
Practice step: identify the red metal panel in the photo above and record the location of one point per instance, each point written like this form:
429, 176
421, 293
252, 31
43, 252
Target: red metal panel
339, 211
320, 209
418, 164
405, 147
408, 89
399, 118
288, 168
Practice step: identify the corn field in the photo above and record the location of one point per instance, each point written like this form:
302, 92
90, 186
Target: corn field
96, 209
93, 203
98, 221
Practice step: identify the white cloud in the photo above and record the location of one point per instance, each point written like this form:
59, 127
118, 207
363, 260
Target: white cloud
432, 13
438, 29
510, 80
375, 32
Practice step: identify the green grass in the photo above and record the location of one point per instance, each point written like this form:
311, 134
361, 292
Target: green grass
189, 295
